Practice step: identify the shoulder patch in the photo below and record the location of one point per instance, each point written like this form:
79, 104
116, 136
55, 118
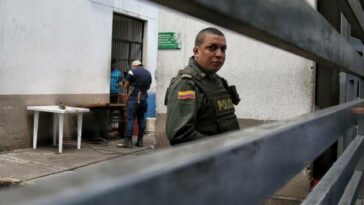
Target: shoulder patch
189, 94
185, 75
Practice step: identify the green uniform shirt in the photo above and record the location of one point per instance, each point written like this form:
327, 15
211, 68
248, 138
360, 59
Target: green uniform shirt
191, 113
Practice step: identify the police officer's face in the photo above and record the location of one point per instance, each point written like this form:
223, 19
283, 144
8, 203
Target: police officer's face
210, 55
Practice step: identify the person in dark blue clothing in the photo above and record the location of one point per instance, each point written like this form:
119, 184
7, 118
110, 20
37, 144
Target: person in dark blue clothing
138, 82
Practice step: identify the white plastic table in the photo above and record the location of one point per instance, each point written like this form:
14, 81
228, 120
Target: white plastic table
58, 113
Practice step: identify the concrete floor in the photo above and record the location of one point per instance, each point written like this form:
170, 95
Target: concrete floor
29, 165
293, 192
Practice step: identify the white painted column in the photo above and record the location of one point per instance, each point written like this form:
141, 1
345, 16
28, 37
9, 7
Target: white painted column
60, 132
79, 130
35, 129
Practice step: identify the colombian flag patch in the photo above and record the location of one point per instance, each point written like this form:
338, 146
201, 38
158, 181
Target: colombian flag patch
189, 94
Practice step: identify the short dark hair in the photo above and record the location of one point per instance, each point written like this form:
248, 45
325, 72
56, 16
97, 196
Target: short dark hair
113, 61
210, 30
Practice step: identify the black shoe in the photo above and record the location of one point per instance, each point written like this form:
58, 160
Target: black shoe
139, 142
127, 144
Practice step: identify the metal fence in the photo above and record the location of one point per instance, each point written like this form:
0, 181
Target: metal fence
248, 166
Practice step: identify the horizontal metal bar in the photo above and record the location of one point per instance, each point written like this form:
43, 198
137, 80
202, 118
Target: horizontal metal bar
292, 25
127, 41
353, 11
352, 190
332, 185
243, 167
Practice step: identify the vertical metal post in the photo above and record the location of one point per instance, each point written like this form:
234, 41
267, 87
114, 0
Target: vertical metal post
361, 121
345, 33
360, 166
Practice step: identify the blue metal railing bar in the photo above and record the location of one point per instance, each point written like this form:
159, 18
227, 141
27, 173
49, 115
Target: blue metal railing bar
332, 185
353, 11
352, 190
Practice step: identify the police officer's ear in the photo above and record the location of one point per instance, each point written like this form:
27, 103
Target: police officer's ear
195, 51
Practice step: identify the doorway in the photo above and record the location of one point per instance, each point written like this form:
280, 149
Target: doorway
127, 46
127, 41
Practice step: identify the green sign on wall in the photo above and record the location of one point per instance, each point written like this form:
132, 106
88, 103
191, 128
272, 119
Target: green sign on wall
169, 40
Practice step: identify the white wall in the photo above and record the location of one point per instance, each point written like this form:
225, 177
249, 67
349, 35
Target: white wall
273, 84
64, 46
54, 47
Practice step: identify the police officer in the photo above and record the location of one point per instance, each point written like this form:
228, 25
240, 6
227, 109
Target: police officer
138, 82
199, 102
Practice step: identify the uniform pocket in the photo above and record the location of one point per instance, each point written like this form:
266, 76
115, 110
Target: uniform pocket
228, 122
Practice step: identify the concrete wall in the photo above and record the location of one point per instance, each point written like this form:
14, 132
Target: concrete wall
53, 47
273, 84
59, 51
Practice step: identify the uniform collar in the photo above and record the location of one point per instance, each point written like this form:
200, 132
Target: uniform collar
194, 65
